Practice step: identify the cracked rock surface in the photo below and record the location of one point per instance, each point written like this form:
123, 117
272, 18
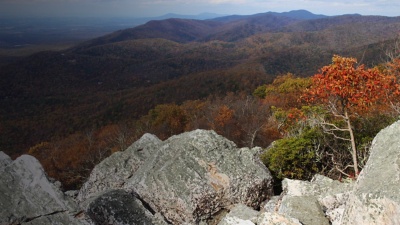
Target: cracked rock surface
376, 195
27, 196
118, 207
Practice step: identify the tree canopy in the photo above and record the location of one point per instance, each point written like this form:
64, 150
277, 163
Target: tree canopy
346, 88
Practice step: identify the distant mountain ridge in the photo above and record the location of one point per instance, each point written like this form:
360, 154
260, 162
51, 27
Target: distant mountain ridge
202, 16
187, 30
237, 27
294, 14
300, 14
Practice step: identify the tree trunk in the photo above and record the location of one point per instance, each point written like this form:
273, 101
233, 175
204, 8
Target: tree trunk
353, 144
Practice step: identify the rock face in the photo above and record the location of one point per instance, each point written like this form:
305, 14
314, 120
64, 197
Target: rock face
376, 196
321, 198
118, 207
27, 196
304, 208
187, 178
114, 171
318, 202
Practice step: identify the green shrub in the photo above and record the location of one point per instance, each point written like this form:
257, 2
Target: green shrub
293, 157
260, 92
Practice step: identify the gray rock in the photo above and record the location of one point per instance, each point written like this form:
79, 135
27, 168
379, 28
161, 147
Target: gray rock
272, 205
273, 218
236, 221
243, 215
4, 160
196, 174
114, 171
304, 208
240, 214
334, 206
320, 187
56, 219
187, 178
117, 207
72, 193
27, 196
332, 195
376, 196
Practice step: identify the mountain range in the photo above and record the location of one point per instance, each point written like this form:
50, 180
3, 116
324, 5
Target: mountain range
118, 77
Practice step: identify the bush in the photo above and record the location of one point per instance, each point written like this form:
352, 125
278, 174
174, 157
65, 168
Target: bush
294, 157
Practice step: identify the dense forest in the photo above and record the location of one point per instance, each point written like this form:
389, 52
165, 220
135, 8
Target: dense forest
244, 77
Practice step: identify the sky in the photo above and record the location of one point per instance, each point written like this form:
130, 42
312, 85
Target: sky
152, 8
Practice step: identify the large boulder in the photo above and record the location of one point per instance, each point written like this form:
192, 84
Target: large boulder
187, 178
376, 196
27, 196
114, 171
304, 208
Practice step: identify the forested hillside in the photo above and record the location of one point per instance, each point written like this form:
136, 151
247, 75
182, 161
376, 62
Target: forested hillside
72, 108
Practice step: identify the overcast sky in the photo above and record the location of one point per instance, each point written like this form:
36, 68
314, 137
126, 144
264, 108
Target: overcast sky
148, 8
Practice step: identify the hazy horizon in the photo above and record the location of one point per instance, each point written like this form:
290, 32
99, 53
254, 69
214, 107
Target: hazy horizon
154, 8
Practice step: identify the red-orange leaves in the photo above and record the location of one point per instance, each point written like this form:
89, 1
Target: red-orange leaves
224, 116
348, 85
346, 89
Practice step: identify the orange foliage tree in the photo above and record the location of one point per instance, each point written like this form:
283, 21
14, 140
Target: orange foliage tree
224, 116
393, 69
283, 95
284, 91
346, 89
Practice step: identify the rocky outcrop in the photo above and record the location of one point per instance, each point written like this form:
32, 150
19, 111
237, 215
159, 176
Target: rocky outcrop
200, 177
114, 171
187, 178
321, 198
320, 201
27, 196
376, 196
